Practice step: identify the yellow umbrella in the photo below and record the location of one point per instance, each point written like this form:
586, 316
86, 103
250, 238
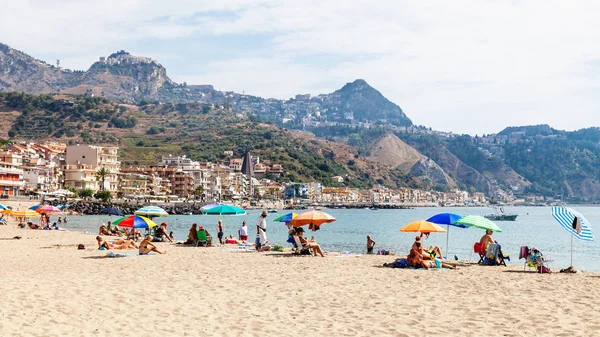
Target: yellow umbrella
423, 227
7, 211
27, 213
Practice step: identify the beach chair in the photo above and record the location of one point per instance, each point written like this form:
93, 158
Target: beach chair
493, 255
535, 259
299, 249
202, 239
478, 248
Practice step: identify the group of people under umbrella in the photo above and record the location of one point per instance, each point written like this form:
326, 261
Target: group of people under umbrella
571, 220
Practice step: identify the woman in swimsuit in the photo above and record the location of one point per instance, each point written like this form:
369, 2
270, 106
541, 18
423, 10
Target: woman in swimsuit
146, 246
119, 244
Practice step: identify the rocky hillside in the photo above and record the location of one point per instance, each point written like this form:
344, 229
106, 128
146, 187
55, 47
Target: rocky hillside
392, 152
147, 132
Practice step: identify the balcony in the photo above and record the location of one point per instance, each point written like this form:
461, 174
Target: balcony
11, 183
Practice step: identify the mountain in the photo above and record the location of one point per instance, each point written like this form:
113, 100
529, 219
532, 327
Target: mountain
391, 151
146, 132
366, 104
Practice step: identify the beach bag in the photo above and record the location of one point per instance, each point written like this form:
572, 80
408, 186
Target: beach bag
80, 246
543, 269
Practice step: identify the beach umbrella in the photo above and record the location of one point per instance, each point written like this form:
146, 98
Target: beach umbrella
575, 223
286, 217
134, 221
448, 219
47, 209
33, 208
2, 207
151, 211
423, 227
478, 222
209, 206
26, 213
224, 210
314, 217
111, 211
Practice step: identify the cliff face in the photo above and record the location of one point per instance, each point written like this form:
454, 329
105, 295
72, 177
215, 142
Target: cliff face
19, 71
120, 76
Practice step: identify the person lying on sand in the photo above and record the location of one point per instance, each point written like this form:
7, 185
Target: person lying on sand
309, 243
104, 231
428, 254
232, 241
119, 244
146, 246
416, 259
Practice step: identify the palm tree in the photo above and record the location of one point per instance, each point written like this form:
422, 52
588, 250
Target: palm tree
101, 176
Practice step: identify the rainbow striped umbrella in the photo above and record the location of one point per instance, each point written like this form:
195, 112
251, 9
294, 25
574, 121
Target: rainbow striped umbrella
134, 221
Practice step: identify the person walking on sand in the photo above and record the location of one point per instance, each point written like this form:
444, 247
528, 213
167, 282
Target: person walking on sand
370, 244
243, 232
220, 231
261, 231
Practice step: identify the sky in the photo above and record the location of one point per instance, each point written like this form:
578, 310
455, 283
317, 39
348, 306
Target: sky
461, 66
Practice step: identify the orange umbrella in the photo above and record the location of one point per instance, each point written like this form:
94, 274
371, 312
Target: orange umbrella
27, 213
312, 217
423, 227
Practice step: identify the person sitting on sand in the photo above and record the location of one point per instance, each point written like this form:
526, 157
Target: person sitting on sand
147, 247
416, 259
309, 243
104, 231
119, 244
31, 225
232, 241
428, 254
192, 235
162, 232
113, 230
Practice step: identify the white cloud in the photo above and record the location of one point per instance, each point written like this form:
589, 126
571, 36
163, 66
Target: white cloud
463, 66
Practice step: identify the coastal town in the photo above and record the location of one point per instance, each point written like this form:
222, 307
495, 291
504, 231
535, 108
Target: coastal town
41, 169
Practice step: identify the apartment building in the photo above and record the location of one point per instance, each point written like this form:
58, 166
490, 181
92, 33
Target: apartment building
80, 160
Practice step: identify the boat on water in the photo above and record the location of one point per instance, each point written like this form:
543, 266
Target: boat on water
272, 211
500, 215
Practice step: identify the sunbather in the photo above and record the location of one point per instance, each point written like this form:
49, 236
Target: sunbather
192, 235
486, 240
146, 246
104, 231
428, 254
119, 244
309, 243
416, 259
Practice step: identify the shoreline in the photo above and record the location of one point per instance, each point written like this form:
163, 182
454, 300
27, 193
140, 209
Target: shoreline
51, 288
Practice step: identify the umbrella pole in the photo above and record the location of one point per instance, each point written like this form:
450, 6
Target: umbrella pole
447, 236
571, 250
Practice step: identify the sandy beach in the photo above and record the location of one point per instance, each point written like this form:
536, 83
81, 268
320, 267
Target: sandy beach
49, 288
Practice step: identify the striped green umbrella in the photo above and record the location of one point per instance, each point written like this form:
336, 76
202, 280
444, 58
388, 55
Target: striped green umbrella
478, 222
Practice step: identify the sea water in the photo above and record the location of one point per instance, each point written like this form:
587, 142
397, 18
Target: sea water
534, 227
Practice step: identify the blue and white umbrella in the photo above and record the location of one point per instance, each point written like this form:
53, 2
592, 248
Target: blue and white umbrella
575, 223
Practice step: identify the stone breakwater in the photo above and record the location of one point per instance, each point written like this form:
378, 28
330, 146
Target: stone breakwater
94, 207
